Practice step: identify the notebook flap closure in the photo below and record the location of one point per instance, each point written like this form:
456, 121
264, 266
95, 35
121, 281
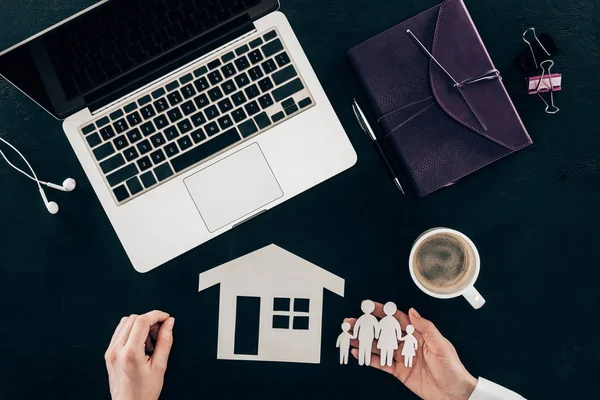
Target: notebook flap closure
459, 49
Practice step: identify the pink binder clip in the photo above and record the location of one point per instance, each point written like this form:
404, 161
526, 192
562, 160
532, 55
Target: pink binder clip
547, 82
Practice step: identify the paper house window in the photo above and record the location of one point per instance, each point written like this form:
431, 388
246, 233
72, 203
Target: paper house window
291, 313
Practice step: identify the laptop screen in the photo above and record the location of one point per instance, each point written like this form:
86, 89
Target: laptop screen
87, 58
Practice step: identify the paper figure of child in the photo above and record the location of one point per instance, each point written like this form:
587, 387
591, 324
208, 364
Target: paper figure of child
343, 342
409, 350
366, 331
389, 334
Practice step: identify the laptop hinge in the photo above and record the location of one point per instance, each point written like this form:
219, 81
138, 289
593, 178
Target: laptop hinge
175, 67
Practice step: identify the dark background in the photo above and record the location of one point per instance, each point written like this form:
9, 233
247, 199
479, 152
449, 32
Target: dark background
65, 280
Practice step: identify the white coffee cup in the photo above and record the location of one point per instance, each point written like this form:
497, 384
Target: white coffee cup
466, 287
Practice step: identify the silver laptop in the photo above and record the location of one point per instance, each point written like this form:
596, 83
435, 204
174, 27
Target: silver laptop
189, 117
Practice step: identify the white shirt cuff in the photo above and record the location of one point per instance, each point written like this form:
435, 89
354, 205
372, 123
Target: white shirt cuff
486, 390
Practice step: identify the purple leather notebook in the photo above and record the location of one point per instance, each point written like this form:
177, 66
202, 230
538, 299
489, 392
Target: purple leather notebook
443, 121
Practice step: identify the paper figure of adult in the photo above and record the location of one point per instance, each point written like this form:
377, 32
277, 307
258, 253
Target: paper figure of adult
366, 330
409, 350
389, 334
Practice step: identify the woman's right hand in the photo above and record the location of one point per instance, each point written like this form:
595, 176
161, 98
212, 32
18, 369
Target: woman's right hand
437, 372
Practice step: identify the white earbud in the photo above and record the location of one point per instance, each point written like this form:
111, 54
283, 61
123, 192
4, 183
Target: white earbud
68, 185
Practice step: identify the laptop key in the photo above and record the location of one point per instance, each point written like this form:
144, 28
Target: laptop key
198, 119
172, 86
157, 157
116, 114
134, 186
255, 43
112, 163
144, 147
214, 64
252, 91
242, 50
228, 70
158, 92
269, 66
122, 175
161, 121
184, 126
288, 103
248, 128
121, 193
148, 179
215, 77
144, 100
130, 154
174, 98
158, 140
265, 84
242, 80
228, 87
186, 79
102, 121
225, 122
288, 89
238, 98
215, 94
198, 136
161, 105
212, 112
147, 111
171, 149
147, 128
201, 101
272, 47
104, 151
171, 133
134, 119
252, 108
242, 63
278, 117
225, 106
256, 73
134, 135
205, 150
239, 115
107, 133
120, 142
284, 75
188, 107
130, 107
282, 59
188, 91
200, 71
93, 140
262, 120
211, 129
163, 172
185, 143
305, 102
201, 84
265, 101
291, 110
270, 35
174, 115
228, 57
255, 56
88, 129
144, 163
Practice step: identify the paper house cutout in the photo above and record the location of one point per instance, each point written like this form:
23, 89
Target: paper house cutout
289, 292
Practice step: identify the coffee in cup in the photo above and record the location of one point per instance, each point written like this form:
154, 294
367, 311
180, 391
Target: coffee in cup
445, 263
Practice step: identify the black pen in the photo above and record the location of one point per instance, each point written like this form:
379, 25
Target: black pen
366, 127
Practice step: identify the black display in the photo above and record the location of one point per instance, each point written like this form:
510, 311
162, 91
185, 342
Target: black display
88, 58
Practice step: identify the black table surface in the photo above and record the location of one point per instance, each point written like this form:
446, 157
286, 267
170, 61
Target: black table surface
65, 280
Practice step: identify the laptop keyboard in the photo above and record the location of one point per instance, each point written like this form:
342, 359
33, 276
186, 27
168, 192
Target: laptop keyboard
199, 114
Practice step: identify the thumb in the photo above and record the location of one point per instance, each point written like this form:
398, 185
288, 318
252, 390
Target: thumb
431, 335
164, 342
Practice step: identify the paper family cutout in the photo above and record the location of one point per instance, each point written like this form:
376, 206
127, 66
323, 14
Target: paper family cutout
387, 332
286, 292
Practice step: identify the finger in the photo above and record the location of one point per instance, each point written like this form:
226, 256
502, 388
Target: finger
431, 335
376, 363
164, 342
400, 316
142, 325
116, 332
126, 330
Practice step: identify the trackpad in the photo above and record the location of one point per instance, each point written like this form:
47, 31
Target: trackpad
233, 188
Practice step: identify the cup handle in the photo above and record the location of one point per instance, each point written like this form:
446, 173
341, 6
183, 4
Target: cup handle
473, 297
